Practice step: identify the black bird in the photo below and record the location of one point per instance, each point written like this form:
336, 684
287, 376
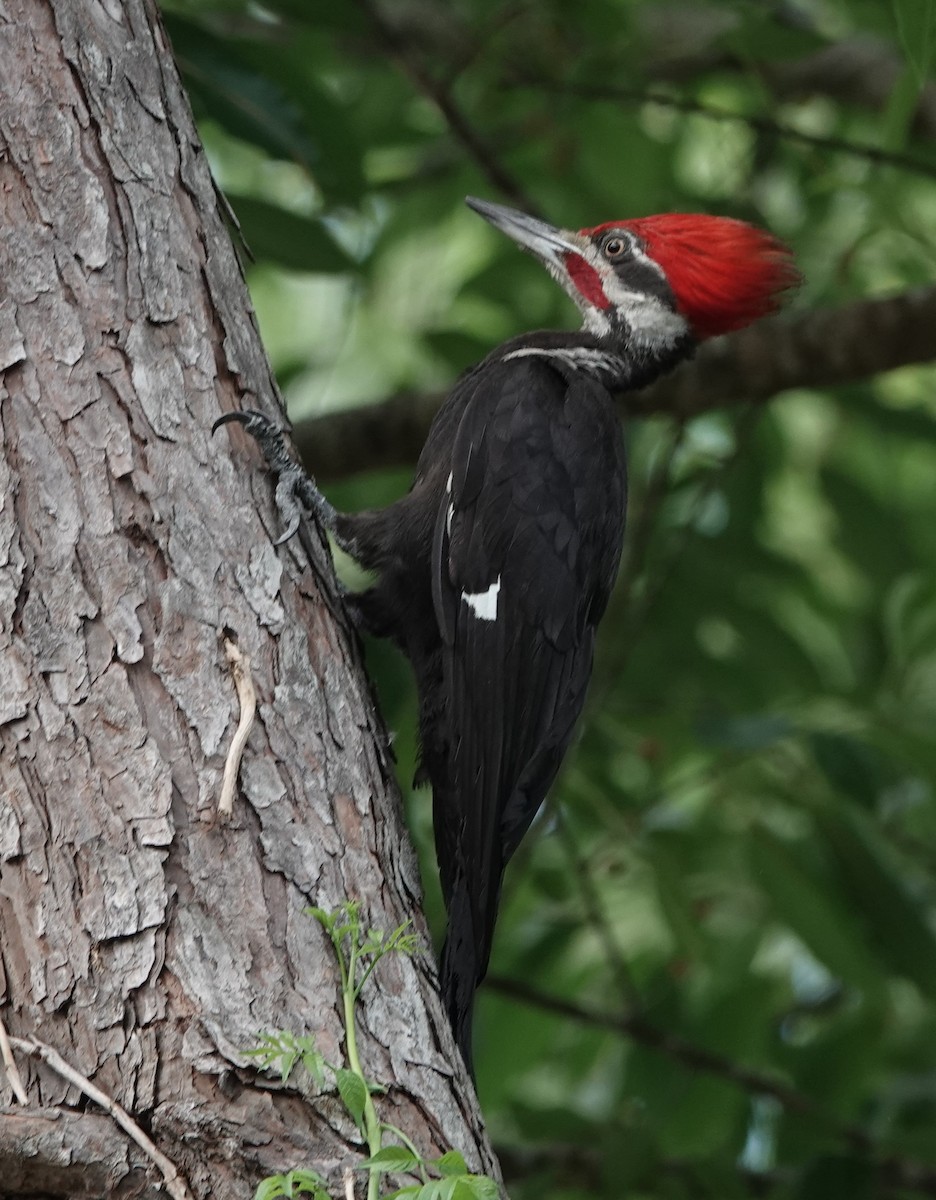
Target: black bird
494, 570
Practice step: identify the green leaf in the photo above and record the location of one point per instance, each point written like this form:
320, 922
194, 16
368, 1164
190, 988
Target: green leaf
321, 115
916, 28
270, 1188
353, 1092
239, 96
901, 105
452, 1163
390, 1158
854, 768
482, 1187
315, 1064
296, 1183
812, 911
279, 1051
743, 733
268, 97
887, 910
837, 1178
293, 241
325, 919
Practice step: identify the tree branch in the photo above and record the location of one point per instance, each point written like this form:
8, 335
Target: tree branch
688, 1054
57, 1152
820, 348
896, 1170
584, 1168
173, 1182
756, 121
461, 128
860, 70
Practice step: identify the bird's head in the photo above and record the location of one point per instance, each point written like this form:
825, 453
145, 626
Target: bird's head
658, 281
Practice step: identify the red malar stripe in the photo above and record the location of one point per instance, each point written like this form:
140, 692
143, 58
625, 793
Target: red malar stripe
587, 280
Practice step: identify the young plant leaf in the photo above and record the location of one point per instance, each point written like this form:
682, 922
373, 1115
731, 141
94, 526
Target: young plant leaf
390, 1158
353, 1093
452, 1163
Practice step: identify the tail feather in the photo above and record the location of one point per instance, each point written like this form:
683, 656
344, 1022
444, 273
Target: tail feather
460, 972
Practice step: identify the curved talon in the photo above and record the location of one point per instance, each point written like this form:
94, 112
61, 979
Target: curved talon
289, 531
245, 417
289, 504
296, 493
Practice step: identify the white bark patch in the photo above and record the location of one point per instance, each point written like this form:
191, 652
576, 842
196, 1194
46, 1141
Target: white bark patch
260, 582
484, 604
12, 346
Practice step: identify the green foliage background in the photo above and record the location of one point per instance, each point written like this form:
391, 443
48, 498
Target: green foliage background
716, 962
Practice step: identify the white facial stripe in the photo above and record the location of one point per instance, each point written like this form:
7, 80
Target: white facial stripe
484, 604
651, 322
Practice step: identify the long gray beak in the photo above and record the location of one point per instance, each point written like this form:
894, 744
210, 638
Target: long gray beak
545, 241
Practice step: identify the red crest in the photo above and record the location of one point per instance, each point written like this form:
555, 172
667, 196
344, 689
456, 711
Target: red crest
724, 273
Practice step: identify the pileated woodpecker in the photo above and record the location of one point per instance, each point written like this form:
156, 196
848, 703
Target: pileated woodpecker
495, 568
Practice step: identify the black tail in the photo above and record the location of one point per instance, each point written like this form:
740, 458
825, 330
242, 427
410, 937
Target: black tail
460, 973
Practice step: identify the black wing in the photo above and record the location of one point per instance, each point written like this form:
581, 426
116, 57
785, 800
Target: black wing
527, 544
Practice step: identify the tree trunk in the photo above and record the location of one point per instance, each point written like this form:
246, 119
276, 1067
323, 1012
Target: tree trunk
143, 939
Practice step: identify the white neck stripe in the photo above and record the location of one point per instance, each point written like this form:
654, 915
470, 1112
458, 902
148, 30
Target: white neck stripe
580, 358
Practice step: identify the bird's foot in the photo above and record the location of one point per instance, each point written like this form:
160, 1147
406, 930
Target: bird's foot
296, 491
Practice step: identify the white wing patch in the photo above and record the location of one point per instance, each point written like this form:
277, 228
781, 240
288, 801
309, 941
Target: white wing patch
451, 507
484, 604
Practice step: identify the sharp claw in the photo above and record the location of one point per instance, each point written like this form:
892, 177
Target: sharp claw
288, 532
250, 418
295, 491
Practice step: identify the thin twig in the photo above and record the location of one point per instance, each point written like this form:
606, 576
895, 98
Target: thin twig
175, 1184
348, 1183
12, 1070
475, 146
595, 913
240, 669
899, 1171
762, 124
687, 1053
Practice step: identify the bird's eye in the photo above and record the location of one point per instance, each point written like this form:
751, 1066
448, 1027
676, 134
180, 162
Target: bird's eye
615, 247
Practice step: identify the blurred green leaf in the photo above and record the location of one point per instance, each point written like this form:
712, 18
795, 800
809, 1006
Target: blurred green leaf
295, 242
838, 1178
247, 101
743, 733
893, 918
812, 909
854, 768
916, 26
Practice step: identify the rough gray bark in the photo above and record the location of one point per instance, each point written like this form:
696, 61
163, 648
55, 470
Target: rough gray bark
142, 939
